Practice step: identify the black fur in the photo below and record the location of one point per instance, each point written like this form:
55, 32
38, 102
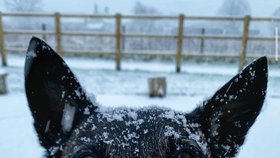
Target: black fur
69, 125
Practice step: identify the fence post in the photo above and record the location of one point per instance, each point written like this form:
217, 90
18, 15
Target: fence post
123, 38
202, 40
2, 42
58, 33
180, 42
244, 42
44, 28
118, 42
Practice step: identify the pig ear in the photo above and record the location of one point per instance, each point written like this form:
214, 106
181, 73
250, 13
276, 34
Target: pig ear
55, 97
226, 117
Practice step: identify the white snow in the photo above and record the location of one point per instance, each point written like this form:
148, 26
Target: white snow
2, 72
68, 117
129, 87
31, 54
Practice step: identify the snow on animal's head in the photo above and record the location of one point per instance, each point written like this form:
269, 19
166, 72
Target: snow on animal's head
70, 125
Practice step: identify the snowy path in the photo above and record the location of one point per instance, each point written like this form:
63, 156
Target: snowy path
185, 91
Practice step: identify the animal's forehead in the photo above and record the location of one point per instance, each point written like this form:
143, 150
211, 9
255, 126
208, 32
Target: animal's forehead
132, 128
139, 119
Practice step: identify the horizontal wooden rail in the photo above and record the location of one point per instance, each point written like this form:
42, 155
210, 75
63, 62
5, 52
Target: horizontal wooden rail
28, 14
15, 50
219, 18
148, 36
88, 52
213, 37
150, 17
29, 33
262, 38
265, 19
149, 52
87, 16
66, 33
87, 34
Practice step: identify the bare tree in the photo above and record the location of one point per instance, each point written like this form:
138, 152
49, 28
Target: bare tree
141, 9
235, 8
275, 24
276, 12
23, 5
142, 26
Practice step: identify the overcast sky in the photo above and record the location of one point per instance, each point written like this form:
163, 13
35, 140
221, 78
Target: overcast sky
188, 7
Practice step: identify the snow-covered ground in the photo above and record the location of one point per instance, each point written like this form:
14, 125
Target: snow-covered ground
129, 87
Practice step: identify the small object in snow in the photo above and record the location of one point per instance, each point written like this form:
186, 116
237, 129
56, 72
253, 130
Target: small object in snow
157, 87
3, 86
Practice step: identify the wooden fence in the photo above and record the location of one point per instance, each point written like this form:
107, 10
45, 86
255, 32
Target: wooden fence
119, 35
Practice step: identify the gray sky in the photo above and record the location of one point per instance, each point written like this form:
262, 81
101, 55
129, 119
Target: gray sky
262, 8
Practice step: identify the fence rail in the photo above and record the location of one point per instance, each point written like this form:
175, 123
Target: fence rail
119, 35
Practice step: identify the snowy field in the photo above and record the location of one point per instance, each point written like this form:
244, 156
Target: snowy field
129, 87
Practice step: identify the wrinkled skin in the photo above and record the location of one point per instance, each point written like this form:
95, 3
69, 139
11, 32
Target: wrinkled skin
70, 125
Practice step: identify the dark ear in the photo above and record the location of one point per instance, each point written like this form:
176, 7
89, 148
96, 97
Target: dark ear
54, 95
226, 117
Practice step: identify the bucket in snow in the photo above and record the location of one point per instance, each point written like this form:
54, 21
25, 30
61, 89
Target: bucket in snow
157, 86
